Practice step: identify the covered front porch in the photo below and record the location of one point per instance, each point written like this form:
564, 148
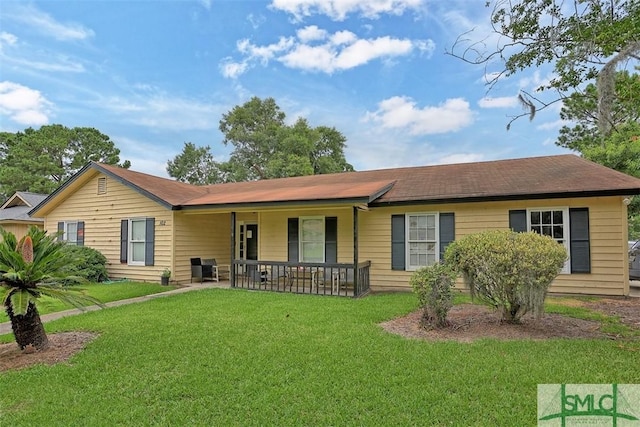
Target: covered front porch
300, 249
333, 279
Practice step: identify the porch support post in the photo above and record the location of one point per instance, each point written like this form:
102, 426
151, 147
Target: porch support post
355, 251
232, 272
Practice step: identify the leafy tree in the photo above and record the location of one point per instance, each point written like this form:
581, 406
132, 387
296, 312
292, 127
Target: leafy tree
584, 40
620, 148
264, 147
621, 151
508, 270
253, 129
40, 160
194, 165
29, 269
581, 108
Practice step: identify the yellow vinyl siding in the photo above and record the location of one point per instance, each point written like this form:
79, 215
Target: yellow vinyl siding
607, 224
273, 232
102, 215
18, 229
200, 236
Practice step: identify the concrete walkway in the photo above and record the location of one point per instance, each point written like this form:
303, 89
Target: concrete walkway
5, 328
634, 288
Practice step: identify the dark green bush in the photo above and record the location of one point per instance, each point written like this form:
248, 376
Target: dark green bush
433, 286
85, 263
508, 270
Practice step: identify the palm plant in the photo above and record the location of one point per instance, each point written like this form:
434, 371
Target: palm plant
29, 269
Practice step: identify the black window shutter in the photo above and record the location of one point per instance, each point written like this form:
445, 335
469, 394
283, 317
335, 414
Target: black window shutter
331, 239
149, 241
292, 240
447, 231
518, 220
80, 234
579, 247
124, 240
397, 242
60, 231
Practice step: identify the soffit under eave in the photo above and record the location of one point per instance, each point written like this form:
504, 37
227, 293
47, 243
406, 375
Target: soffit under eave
35, 221
280, 207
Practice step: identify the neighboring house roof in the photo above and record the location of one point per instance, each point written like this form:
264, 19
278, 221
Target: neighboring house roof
528, 178
17, 207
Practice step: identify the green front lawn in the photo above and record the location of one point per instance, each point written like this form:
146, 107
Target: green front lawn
236, 358
103, 292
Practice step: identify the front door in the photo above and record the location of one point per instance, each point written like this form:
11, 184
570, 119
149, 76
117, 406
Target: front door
251, 236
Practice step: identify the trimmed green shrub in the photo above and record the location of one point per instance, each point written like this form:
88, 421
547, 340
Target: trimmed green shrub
433, 286
87, 263
508, 270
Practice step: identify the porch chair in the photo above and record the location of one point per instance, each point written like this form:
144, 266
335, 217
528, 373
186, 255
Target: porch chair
217, 271
205, 269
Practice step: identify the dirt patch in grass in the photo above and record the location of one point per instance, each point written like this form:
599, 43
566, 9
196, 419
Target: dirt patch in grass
469, 322
62, 347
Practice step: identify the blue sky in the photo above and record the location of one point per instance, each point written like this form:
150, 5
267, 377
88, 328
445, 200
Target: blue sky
155, 74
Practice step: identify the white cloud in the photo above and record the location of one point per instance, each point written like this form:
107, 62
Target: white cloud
498, 102
7, 39
401, 112
338, 10
160, 111
231, 69
58, 63
23, 105
256, 21
264, 53
25, 56
206, 4
313, 49
534, 81
554, 125
461, 158
44, 23
143, 155
311, 33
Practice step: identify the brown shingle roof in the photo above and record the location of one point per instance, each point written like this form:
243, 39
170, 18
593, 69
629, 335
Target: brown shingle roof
536, 177
172, 192
293, 190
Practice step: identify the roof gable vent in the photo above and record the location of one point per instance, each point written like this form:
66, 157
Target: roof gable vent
102, 185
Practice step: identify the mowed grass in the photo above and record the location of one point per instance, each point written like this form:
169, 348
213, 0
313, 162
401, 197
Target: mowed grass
104, 292
236, 358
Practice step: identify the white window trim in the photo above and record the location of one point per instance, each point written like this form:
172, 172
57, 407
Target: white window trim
130, 241
65, 234
407, 255
300, 234
566, 269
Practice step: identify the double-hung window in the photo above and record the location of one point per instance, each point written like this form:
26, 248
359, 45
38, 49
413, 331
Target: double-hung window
71, 232
312, 239
553, 223
567, 226
422, 240
137, 240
